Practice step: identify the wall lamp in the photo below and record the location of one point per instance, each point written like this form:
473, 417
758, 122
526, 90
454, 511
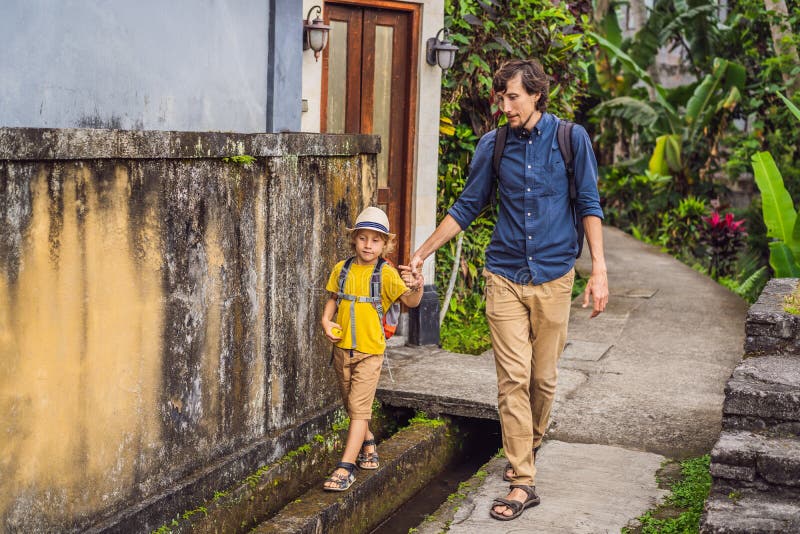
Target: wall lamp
441, 52
315, 33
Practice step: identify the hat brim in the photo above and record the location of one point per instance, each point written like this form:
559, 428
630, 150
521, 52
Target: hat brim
387, 234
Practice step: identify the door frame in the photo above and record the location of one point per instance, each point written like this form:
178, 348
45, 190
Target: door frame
409, 167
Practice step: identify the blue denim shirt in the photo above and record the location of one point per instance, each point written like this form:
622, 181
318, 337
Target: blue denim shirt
534, 240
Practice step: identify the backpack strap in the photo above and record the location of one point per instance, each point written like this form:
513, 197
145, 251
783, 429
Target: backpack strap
375, 290
564, 137
341, 295
497, 156
499, 146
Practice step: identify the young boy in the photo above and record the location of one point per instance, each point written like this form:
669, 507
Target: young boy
358, 354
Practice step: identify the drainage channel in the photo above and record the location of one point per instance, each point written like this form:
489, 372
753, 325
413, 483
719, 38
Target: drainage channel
422, 462
480, 441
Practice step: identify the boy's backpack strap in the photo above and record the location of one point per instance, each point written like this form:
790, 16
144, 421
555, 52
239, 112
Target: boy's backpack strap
344, 272
375, 289
564, 137
344, 296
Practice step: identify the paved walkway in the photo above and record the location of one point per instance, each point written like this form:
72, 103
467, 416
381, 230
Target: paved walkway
639, 383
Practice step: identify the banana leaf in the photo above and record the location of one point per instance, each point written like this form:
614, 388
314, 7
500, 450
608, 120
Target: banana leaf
715, 88
782, 261
666, 155
791, 106
628, 108
778, 209
633, 67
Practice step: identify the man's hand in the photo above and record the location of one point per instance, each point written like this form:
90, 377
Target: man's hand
413, 266
597, 289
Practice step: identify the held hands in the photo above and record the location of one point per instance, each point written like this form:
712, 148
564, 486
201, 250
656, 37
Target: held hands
411, 273
333, 331
414, 281
597, 288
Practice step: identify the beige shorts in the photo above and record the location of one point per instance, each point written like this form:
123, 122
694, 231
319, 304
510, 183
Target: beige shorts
358, 375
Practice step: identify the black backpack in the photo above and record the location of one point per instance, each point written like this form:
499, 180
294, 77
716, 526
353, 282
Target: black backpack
564, 137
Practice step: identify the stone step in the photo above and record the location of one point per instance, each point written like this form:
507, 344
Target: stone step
764, 393
748, 511
409, 460
748, 459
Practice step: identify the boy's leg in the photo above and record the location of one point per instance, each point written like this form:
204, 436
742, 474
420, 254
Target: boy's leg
363, 372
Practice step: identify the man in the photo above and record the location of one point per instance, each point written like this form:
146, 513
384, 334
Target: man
529, 262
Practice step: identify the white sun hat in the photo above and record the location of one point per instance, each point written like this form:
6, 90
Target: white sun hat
372, 218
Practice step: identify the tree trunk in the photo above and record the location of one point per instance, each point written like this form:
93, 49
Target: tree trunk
779, 33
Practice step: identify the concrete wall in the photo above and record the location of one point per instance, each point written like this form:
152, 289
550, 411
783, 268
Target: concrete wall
159, 311
178, 65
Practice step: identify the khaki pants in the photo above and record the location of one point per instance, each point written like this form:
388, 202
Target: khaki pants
529, 330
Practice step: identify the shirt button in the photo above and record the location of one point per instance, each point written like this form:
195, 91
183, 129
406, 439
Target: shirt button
529, 166
530, 142
529, 214
529, 237
529, 189
530, 258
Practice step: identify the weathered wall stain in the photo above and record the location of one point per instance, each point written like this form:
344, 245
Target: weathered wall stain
158, 314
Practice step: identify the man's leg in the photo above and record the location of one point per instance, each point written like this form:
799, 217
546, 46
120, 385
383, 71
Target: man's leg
509, 321
550, 304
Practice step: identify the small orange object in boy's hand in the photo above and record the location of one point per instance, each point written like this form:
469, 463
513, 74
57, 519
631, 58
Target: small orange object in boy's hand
336, 332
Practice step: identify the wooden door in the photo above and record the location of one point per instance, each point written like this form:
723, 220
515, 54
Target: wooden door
369, 71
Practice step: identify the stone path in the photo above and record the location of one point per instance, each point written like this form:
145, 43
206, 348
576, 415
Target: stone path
639, 383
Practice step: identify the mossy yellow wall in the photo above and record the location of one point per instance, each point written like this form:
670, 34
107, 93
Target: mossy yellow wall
156, 315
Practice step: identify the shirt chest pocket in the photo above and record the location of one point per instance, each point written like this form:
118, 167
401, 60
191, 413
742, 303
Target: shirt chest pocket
554, 177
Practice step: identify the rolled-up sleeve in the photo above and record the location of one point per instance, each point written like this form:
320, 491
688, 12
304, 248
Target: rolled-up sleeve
478, 189
588, 199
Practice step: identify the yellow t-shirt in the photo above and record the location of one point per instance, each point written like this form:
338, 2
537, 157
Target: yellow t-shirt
369, 332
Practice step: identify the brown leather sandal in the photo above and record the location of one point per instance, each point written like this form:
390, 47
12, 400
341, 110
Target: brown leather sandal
516, 507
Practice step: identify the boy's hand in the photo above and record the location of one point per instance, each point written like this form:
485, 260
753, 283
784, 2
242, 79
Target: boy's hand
333, 331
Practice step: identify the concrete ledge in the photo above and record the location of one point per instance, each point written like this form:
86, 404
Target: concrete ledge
409, 460
750, 512
85, 143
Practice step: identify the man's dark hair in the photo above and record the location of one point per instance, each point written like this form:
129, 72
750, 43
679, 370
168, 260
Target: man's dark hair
534, 80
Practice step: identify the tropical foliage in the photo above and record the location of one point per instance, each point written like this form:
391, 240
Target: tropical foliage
678, 148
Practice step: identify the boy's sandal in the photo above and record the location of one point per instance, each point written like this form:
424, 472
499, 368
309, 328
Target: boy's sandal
342, 482
510, 467
368, 457
516, 507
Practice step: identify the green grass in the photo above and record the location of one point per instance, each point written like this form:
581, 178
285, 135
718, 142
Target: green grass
680, 512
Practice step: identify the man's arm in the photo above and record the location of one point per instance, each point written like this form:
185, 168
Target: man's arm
597, 286
446, 230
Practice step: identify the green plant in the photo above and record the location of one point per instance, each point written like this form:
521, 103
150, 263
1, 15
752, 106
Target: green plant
688, 497
680, 230
780, 215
